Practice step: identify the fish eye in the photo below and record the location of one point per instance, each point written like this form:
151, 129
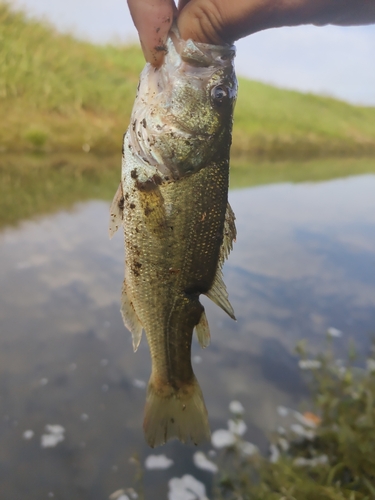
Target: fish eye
219, 93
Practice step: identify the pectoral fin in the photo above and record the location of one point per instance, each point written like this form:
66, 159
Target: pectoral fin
130, 318
116, 211
203, 331
218, 292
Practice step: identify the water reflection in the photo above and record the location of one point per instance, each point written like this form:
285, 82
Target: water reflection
304, 261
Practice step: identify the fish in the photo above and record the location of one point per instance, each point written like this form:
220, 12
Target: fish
172, 203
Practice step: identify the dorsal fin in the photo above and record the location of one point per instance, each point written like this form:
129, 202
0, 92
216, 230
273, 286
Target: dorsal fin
115, 211
218, 292
131, 320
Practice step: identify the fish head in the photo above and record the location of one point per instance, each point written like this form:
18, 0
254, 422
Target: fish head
183, 114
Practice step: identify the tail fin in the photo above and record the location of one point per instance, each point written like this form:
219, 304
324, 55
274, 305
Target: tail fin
177, 414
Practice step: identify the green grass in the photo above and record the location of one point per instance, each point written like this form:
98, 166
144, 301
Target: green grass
277, 124
61, 94
58, 93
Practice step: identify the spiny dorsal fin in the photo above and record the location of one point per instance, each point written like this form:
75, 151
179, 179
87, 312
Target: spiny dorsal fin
116, 211
218, 292
203, 331
130, 318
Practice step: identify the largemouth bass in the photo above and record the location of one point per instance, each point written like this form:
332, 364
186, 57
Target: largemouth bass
178, 226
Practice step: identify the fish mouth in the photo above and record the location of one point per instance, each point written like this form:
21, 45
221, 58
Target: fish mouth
200, 54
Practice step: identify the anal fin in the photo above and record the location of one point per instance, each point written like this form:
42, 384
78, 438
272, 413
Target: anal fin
218, 294
131, 320
116, 211
203, 331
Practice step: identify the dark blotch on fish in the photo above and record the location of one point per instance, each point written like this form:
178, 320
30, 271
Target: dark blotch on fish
149, 184
148, 210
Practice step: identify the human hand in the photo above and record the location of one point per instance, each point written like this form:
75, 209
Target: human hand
224, 21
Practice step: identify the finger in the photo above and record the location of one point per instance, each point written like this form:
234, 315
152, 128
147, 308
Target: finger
153, 19
181, 4
202, 20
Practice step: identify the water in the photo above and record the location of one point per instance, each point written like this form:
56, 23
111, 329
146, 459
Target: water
304, 261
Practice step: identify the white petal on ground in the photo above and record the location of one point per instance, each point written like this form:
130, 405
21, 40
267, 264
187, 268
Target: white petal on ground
370, 365
158, 462
51, 440
201, 461
43, 381
334, 332
274, 453
283, 443
282, 411
132, 493
118, 495
236, 408
140, 384
55, 436
309, 364
281, 430
237, 427
55, 429
248, 449
186, 488
84, 417
302, 432
303, 420
28, 434
222, 438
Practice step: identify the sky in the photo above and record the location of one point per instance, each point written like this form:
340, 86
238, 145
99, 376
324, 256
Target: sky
333, 61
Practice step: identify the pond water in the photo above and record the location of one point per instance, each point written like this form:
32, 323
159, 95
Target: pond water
304, 261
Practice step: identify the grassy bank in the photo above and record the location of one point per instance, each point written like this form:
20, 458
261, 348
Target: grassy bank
60, 94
